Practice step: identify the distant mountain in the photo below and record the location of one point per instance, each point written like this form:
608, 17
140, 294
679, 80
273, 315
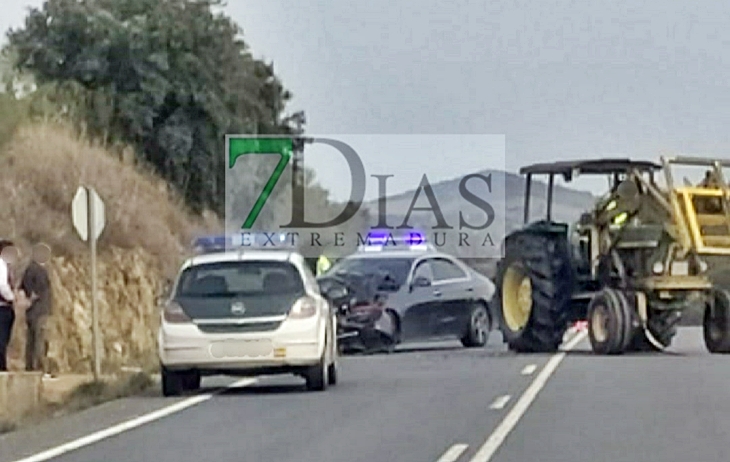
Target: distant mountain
506, 198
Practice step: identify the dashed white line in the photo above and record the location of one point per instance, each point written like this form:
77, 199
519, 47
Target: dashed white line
500, 402
453, 453
495, 440
128, 425
529, 369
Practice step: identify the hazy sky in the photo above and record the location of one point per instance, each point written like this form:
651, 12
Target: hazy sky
560, 79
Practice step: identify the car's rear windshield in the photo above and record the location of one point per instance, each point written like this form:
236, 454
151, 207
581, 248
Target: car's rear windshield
240, 278
397, 267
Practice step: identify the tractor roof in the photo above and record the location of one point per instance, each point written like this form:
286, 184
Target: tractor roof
590, 167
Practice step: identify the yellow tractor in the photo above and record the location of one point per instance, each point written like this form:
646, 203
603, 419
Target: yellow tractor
630, 267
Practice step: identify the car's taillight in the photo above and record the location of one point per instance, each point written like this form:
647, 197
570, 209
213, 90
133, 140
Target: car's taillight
305, 307
173, 313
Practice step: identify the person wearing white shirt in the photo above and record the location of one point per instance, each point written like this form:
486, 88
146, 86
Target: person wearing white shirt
8, 257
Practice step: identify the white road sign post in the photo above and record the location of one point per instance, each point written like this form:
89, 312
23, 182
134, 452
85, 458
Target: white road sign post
87, 213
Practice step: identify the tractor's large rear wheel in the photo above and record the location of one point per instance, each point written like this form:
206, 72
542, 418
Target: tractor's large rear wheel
716, 324
534, 289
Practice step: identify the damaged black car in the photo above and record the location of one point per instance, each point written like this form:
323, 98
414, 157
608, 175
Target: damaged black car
389, 297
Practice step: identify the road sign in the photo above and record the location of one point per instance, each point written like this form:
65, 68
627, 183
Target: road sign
85, 200
87, 214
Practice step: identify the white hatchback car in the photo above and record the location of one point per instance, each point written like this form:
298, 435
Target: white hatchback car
246, 313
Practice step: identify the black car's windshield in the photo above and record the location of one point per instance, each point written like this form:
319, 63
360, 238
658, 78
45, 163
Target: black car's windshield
397, 268
240, 278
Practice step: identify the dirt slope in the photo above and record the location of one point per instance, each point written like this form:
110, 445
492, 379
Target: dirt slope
143, 242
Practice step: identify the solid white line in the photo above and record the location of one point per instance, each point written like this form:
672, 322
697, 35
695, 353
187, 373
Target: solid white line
500, 402
128, 425
453, 453
529, 369
495, 440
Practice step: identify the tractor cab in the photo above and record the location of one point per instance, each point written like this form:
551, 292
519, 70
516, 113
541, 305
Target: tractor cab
613, 210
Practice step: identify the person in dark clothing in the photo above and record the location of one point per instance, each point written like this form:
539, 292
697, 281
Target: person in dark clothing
8, 257
37, 286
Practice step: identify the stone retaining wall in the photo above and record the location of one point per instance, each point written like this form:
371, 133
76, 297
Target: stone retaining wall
20, 393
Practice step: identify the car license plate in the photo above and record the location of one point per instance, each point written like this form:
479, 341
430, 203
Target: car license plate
241, 349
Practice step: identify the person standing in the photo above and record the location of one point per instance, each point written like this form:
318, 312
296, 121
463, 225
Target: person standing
37, 286
323, 265
8, 257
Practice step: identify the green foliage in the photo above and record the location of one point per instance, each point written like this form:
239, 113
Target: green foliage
13, 109
170, 77
12, 114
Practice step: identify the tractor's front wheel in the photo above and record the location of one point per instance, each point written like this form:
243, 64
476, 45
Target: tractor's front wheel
610, 327
534, 289
662, 326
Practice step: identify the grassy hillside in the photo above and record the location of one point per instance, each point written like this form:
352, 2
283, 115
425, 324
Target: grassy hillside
43, 165
146, 234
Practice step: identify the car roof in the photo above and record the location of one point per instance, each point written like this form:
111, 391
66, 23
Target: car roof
396, 254
238, 255
589, 166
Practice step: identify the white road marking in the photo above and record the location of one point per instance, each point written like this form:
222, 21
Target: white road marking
495, 440
453, 453
500, 402
529, 369
128, 425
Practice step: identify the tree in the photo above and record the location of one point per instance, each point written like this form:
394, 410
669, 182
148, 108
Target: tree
169, 77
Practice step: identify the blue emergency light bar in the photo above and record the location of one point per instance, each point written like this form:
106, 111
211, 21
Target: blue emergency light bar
380, 241
242, 241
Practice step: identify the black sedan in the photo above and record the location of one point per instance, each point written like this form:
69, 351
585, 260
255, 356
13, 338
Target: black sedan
406, 295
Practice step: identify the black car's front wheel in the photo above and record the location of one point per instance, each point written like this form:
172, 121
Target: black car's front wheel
477, 332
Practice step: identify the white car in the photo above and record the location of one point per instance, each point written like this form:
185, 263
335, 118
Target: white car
246, 313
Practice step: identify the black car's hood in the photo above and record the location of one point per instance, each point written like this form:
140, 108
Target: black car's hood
362, 287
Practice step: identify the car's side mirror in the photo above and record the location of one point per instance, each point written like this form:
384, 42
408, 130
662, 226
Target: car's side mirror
421, 281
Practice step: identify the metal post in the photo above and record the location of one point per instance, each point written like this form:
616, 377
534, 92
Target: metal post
528, 184
551, 182
298, 154
94, 306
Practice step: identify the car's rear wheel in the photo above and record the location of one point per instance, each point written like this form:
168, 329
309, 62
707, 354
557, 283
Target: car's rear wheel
478, 328
317, 376
332, 368
332, 373
173, 383
192, 381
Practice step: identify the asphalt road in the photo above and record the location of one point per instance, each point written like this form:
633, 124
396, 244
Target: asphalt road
444, 403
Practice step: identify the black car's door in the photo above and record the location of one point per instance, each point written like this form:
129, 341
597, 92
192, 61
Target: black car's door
453, 286
418, 314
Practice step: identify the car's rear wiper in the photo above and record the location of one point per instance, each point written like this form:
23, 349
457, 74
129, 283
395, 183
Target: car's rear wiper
210, 294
